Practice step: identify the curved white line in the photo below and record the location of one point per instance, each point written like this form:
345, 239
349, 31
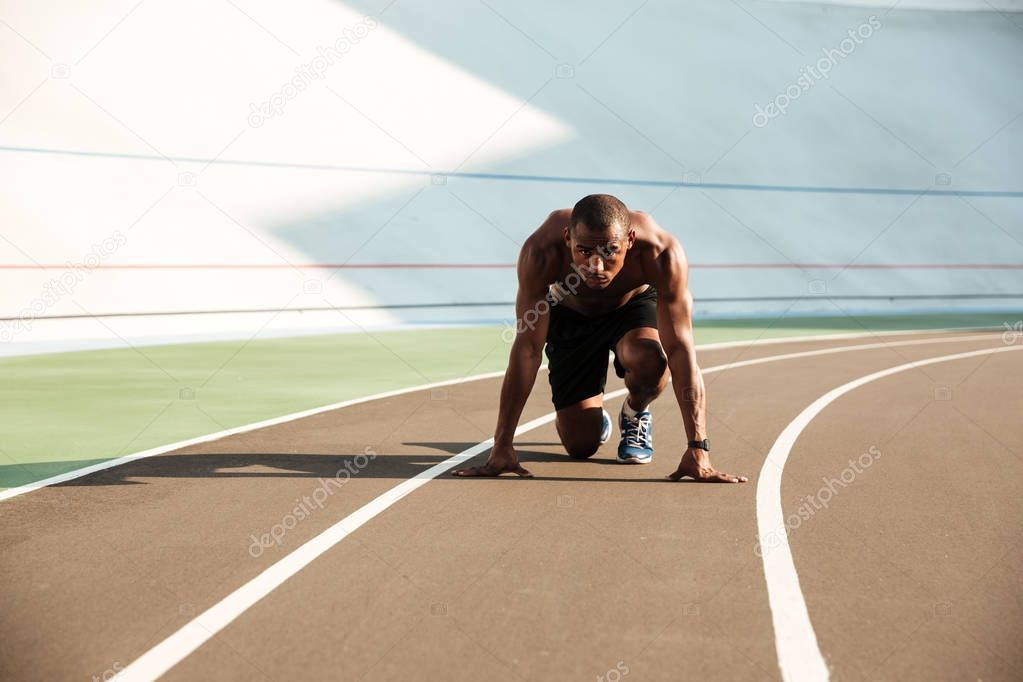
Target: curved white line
799, 656
162, 449
171, 651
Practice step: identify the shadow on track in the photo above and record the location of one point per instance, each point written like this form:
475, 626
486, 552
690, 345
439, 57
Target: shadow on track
306, 465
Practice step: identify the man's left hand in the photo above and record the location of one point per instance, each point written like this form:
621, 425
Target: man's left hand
696, 465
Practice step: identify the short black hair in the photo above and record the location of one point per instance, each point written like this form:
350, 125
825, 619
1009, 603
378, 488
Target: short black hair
600, 212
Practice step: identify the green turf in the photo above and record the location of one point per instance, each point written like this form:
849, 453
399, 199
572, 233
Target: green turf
64, 411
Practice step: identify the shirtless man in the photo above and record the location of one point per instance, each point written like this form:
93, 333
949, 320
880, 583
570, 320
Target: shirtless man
594, 279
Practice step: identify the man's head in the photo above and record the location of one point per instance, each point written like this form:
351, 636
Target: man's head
598, 235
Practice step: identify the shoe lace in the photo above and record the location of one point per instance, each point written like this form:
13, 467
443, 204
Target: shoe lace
637, 434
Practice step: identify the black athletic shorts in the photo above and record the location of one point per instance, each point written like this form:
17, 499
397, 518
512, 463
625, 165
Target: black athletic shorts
577, 346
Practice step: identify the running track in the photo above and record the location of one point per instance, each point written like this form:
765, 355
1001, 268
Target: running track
909, 571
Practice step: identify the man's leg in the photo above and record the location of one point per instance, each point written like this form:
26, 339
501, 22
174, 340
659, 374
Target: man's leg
640, 360
640, 354
579, 426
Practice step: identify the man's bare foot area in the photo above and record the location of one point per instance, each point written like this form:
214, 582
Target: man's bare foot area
700, 470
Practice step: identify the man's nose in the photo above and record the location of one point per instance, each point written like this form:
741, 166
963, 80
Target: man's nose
597, 264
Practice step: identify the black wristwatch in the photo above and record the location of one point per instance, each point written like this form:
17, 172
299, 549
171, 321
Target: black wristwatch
700, 444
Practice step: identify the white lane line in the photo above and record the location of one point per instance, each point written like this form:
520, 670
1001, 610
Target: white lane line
203, 627
100, 466
799, 656
846, 349
206, 625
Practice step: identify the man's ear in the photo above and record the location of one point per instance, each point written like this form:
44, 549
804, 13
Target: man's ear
630, 239
567, 233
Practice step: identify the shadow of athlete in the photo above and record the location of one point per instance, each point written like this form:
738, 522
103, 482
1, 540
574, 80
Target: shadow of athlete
595, 279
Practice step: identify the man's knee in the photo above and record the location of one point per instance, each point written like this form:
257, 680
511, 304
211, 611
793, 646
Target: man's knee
646, 358
581, 449
580, 431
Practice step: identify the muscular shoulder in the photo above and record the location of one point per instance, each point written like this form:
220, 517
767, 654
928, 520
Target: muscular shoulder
660, 251
543, 252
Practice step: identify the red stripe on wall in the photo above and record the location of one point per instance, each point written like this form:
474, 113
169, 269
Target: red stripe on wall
488, 266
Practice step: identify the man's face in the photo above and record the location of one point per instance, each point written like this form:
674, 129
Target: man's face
598, 255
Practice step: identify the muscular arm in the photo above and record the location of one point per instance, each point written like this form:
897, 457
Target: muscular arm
675, 327
532, 315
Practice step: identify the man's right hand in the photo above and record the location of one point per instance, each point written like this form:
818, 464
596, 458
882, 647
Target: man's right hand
502, 460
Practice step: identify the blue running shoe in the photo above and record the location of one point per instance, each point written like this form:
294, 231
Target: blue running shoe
637, 446
605, 428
